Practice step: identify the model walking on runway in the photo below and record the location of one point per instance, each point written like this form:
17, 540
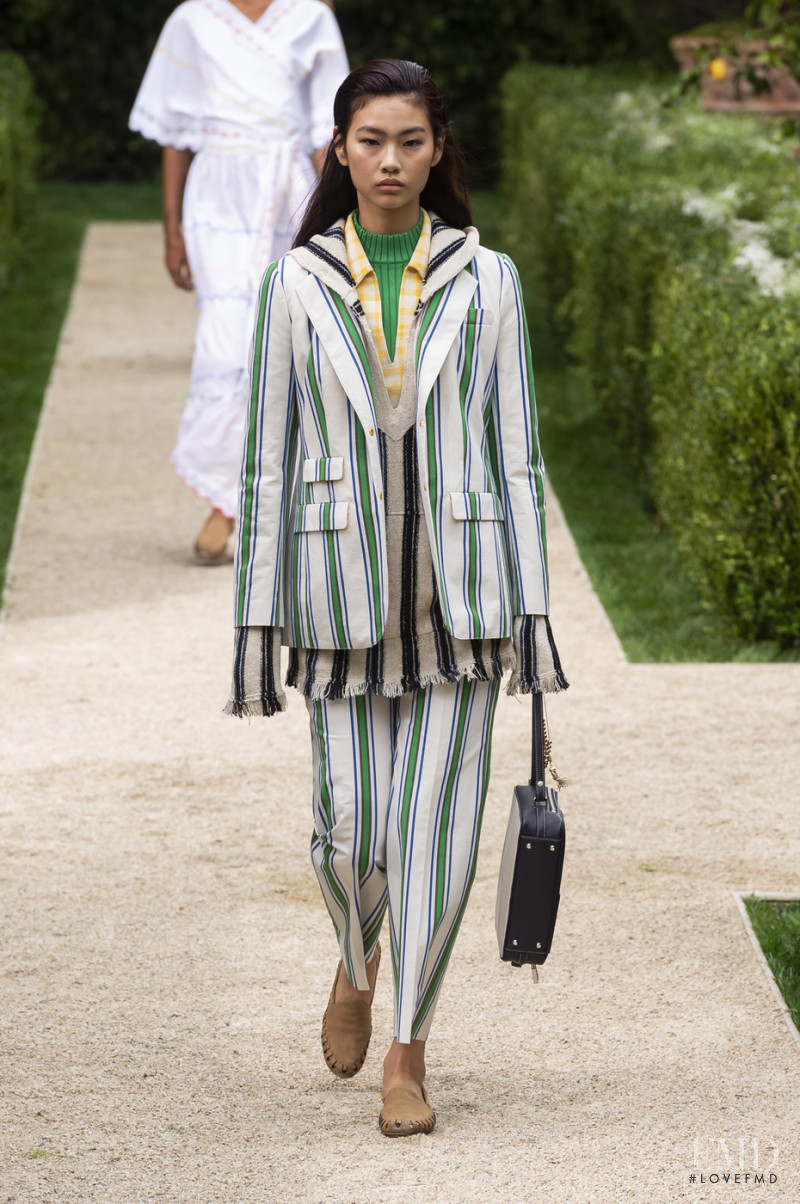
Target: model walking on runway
392, 537
240, 95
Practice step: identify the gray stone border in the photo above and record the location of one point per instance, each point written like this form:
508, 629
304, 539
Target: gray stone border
770, 896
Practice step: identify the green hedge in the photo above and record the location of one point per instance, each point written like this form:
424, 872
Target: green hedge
17, 159
87, 60
641, 221
725, 373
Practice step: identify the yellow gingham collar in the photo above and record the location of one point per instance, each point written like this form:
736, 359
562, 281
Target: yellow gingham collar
361, 267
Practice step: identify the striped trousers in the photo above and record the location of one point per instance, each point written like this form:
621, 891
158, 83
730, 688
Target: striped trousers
399, 789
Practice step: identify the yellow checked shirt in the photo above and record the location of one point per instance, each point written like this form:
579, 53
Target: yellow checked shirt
370, 298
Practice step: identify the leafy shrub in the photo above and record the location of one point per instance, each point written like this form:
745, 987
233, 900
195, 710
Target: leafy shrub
725, 375
17, 158
667, 241
544, 157
617, 264
87, 61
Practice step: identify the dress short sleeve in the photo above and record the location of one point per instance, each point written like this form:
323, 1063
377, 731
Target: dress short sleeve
170, 103
324, 63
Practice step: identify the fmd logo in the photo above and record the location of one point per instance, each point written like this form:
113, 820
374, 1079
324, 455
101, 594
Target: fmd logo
732, 1159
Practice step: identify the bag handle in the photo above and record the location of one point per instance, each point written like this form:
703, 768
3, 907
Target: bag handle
538, 751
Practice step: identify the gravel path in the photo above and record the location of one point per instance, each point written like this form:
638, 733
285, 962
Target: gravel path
166, 956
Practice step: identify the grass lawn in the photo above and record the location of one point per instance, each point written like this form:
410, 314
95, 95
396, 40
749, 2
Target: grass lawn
777, 926
656, 611
32, 313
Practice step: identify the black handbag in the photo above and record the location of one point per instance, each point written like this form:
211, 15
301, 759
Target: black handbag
533, 856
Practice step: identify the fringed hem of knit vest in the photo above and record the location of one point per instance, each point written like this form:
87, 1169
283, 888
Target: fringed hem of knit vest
337, 686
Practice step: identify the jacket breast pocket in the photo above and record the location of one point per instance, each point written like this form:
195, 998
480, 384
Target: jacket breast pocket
479, 317
484, 507
322, 516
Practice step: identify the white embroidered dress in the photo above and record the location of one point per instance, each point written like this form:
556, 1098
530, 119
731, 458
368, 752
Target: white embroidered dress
252, 100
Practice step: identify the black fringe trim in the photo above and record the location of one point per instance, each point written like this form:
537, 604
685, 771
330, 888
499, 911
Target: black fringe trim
409, 643
267, 702
560, 678
479, 670
239, 650
445, 652
528, 671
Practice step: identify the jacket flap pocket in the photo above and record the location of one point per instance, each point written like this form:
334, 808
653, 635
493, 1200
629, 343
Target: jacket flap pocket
484, 506
329, 468
322, 516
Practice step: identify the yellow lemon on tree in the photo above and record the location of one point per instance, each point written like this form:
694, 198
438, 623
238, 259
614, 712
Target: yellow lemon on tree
718, 69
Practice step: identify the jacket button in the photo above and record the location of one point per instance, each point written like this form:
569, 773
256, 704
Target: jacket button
371, 431
380, 495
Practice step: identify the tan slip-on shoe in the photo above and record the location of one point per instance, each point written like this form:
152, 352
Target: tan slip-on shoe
404, 1114
347, 1028
211, 545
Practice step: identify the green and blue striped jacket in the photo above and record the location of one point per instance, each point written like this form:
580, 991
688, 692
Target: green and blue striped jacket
312, 538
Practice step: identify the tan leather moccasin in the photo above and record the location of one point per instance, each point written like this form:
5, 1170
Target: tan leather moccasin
404, 1114
347, 1028
211, 545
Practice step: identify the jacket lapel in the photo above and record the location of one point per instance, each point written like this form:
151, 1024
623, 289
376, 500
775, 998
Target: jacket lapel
330, 298
446, 295
340, 334
439, 327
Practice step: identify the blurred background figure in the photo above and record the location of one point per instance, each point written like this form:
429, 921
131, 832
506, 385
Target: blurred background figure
239, 93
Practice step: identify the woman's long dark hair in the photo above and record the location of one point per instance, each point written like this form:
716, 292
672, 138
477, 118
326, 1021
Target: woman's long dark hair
335, 196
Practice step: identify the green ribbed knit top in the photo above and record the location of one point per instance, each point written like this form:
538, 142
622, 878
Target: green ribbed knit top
389, 255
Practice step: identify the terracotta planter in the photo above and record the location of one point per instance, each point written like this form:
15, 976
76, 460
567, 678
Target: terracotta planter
721, 96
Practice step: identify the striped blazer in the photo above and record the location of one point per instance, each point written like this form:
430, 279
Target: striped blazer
312, 555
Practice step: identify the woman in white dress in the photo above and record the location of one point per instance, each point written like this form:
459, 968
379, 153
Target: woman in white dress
239, 93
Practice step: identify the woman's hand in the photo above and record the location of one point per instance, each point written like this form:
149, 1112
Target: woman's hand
176, 261
175, 166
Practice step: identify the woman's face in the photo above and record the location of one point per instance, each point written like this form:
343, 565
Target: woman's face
389, 150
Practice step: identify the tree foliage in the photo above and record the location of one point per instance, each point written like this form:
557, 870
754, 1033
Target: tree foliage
87, 60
